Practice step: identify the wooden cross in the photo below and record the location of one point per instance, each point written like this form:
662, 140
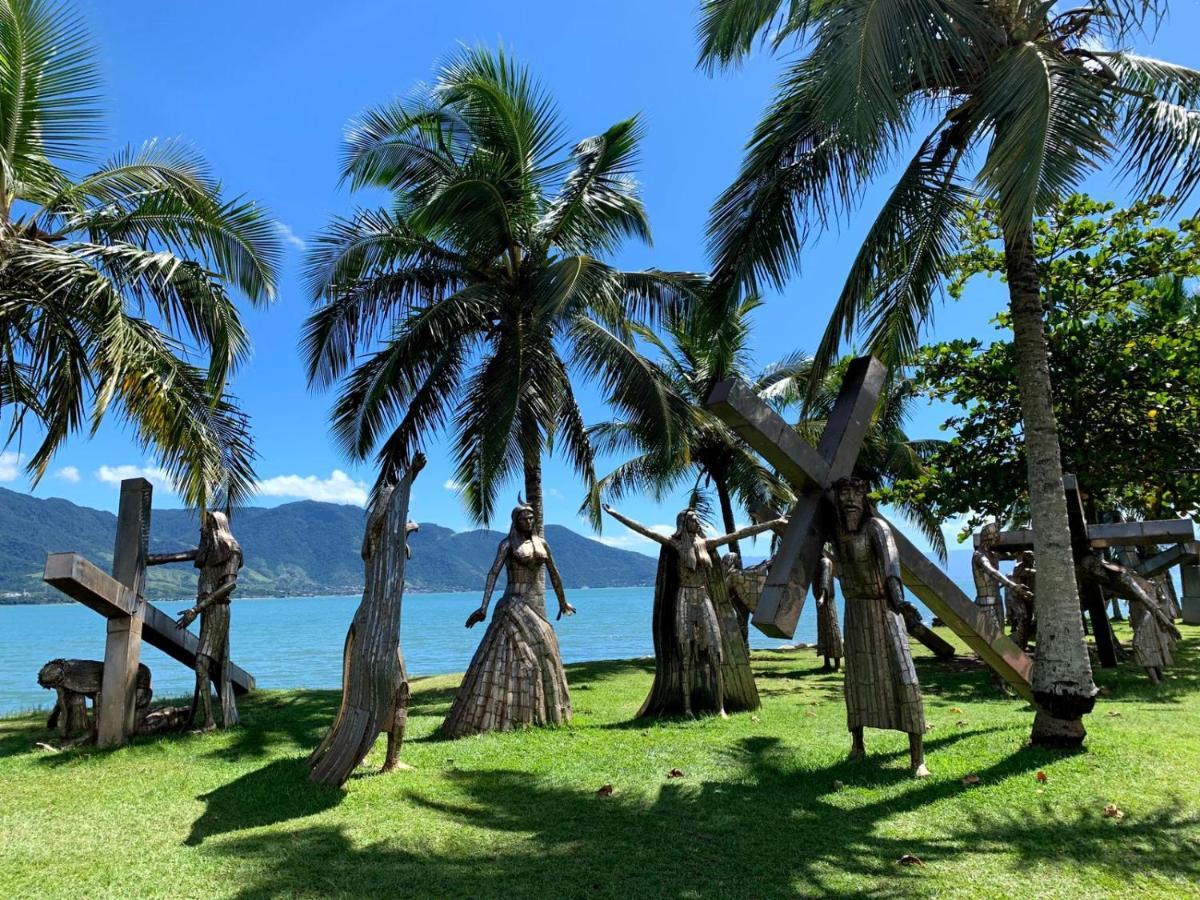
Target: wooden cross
1087, 538
118, 597
812, 472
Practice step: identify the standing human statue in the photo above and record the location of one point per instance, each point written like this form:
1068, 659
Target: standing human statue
218, 558
516, 676
1021, 606
881, 684
698, 645
985, 568
829, 633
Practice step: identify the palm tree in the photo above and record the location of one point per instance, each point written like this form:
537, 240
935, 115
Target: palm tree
707, 453
1018, 87
112, 282
481, 287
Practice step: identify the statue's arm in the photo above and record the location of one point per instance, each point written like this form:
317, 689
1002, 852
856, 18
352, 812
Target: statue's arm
748, 531
564, 608
984, 562
823, 583
889, 564
480, 614
638, 527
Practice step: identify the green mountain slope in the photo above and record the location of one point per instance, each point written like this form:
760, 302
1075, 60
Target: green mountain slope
297, 548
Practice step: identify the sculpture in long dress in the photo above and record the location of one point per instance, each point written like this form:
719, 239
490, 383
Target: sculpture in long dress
516, 676
218, 558
698, 645
1154, 634
985, 568
829, 632
374, 682
881, 684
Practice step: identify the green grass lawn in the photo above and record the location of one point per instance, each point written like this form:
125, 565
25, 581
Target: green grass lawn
758, 811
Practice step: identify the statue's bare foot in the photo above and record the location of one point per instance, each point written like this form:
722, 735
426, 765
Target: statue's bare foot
920, 771
723, 714
857, 752
395, 766
206, 728
688, 714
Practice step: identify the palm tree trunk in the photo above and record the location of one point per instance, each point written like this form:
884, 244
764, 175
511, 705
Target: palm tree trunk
727, 517
533, 475
1062, 674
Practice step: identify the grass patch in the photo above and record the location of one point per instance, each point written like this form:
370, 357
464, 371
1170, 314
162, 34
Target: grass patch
757, 812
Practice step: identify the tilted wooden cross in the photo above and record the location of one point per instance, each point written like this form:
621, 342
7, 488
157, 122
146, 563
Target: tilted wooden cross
812, 472
1086, 538
118, 597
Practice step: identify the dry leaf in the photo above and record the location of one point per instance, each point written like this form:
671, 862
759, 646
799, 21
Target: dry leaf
837, 785
1112, 714
970, 780
754, 718
810, 714
910, 859
48, 748
675, 773
605, 791
955, 709
1041, 776
1112, 811
961, 722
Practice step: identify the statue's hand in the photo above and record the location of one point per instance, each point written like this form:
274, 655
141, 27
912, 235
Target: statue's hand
476, 617
1024, 593
187, 617
608, 509
565, 609
418, 463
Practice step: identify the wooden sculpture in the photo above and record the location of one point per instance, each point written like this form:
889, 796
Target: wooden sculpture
698, 646
516, 676
374, 683
829, 632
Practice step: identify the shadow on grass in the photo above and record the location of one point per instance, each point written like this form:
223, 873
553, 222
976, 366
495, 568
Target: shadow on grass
278, 792
775, 831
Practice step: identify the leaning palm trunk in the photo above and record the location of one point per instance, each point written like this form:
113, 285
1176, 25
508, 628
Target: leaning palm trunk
1062, 675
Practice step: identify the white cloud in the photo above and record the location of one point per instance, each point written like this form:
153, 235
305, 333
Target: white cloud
337, 488
631, 540
555, 493
10, 465
289, 236
157, 476
68, 473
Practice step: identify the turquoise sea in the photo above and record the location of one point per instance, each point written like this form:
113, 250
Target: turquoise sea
296, 642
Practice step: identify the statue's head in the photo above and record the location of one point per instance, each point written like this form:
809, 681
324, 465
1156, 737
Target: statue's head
1026, 558
523, 519
52, 673
850, 499
989, 535
688, 522
732, 561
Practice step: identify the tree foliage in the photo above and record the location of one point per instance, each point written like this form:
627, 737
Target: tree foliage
1123, 327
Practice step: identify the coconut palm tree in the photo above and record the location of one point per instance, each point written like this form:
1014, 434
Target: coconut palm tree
114, 284
1017, 93
698, 352
481, 287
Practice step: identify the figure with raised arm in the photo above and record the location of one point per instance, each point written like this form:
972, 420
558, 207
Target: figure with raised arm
1021, 606
881, 684
985, 567
516, 676
218, 558
829, 632
698, 646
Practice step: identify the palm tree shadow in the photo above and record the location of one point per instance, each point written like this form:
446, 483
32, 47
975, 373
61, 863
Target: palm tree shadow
278, 792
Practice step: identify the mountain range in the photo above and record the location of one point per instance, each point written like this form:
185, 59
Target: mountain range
302, 548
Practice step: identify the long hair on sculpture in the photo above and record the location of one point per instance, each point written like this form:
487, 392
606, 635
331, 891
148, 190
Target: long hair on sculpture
689, 540
216, 540
858, 491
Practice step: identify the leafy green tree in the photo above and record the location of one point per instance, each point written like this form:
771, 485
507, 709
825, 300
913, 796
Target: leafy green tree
111, 282
1018, 88
1124, 339
481, 287
696, 354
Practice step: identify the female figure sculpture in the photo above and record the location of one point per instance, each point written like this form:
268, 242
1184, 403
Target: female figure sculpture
829, 633
881, 682
218, 558
516, 676
986, 569
697, 641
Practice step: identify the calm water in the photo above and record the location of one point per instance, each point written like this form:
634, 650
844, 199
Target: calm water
297, 642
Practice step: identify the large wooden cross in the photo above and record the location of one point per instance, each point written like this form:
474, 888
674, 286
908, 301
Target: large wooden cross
812, 472
1087, 538
118, 597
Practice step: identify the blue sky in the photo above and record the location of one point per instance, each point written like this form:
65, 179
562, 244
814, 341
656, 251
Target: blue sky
264, 90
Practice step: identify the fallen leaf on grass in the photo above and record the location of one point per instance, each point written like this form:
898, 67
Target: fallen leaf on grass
605, 791
1112, 811
910, 859
48, 748
1112, 714
961, 722
970, 780
1041, 776
810, 714
675, 773
754, 718
955, 709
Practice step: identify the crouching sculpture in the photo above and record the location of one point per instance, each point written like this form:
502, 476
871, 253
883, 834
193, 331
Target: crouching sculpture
78, 680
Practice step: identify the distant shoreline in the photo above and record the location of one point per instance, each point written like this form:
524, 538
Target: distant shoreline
66, 601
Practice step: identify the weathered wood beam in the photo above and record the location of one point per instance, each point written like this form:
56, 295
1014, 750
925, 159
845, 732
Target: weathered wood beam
1111, 534
1179, 555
